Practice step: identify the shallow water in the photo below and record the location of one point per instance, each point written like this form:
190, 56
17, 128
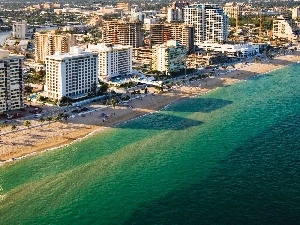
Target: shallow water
228, 157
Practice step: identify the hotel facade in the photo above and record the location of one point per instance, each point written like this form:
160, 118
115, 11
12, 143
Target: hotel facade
72, 74
114, 60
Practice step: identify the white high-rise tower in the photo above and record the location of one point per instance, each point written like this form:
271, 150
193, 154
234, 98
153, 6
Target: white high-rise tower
210, 22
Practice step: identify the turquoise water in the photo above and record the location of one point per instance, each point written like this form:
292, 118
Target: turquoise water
229, 157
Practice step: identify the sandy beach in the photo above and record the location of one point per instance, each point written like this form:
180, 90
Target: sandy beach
41, 137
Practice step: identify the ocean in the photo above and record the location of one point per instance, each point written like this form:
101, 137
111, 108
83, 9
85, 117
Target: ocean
228, 157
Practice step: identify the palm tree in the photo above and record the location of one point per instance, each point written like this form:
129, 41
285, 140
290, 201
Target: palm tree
49, 119
27, 123
13, 127
113, 102
41, 120
66, 116
3, 125
58, 118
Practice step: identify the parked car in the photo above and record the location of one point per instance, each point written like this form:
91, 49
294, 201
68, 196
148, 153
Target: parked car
37, 115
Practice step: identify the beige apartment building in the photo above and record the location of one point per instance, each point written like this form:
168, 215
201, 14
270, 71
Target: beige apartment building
11, 82
232, 10
284, 27
51, 42
168, 57
123, 5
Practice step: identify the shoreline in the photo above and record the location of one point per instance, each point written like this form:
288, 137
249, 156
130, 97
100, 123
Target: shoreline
59, 135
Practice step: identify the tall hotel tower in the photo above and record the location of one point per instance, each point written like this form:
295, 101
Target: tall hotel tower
72, 74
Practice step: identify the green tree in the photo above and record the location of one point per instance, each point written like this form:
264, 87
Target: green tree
65, 100
49, 119
103, 88
146, 91
13, 127
41, 120
65, 117
113, 102
93, 89
3, 125
27, 90
27, 123
59, 117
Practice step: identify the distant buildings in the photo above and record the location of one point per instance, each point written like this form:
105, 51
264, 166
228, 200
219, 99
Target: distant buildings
49, 43
284, 27
114, 60
123, 33
232, 10
169, 57
175, 13
72, 74
20, 29
296, 13
209, 20
159, 34
123, 5
11, 82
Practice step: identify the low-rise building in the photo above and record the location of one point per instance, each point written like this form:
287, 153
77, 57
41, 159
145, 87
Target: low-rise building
114, 60
11, 82
232, 50
169, 57
73, 74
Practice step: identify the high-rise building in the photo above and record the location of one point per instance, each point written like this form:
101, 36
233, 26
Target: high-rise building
20, 29
73, 74
176, 12
284, 27
159, 34
11, 82
296, 12
123, 33
114, 60
184, 34
232, 10
209, 20
51, 42
169, 57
